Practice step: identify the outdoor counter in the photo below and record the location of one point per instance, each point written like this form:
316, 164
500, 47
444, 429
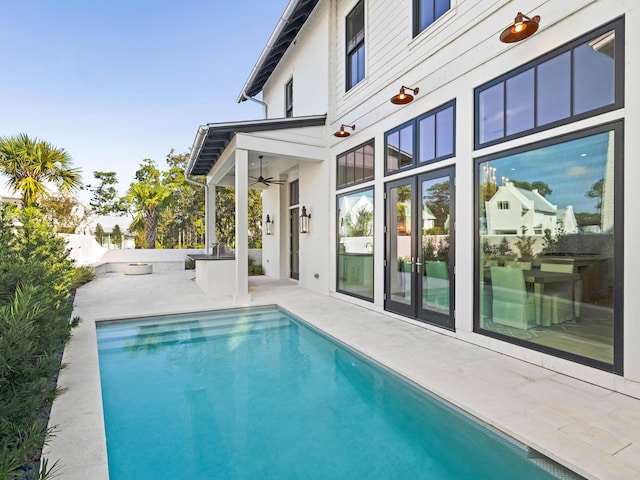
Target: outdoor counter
215, 275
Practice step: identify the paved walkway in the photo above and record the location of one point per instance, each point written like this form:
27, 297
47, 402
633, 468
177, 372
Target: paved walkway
593, 431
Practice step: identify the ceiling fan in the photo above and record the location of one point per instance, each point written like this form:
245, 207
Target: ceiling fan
266, 181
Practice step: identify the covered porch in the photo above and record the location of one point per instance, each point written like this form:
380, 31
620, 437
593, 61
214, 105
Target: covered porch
268, 155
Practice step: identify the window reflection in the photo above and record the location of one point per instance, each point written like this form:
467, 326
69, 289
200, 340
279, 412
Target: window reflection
355, 244
355, 166
554, 89
546, 246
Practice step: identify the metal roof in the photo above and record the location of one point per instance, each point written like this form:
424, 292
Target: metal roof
292, 20
212, 139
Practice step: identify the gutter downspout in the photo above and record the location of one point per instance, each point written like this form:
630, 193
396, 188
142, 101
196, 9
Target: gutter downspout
264, 105
195, 150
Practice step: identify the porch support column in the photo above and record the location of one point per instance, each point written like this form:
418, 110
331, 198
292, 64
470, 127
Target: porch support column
210, 217
242, 227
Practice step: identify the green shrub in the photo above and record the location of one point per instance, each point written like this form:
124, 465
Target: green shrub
82, 275
254, 269
35, 282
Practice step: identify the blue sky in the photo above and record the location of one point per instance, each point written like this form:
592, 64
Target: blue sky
116, 81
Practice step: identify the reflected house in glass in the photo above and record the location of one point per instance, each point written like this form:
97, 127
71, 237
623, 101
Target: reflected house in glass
517, 211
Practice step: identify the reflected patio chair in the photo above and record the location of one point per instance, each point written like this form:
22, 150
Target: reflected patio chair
513, 304
436, 288
562, 295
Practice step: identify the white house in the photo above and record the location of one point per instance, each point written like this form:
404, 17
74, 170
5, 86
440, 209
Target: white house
558, 107
517, 211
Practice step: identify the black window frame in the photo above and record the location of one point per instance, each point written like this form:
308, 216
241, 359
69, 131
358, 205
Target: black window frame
617, 25
415, 123
417, 8
337, 238
347, 184
288, 98
351, 50
618, 262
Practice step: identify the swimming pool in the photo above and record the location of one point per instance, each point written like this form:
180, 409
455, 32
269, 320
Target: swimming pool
258, 394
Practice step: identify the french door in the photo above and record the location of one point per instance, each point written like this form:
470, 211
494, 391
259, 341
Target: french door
419, 270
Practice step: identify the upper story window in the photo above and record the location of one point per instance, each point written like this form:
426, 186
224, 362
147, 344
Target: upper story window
355, 45
425, 12
425, 139
288, 99
356, 165
580, 79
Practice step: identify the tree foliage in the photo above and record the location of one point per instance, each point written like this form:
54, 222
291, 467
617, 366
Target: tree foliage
542, 187
147, 198
105, 199
180, 216
30, 164
100, 234
64, 212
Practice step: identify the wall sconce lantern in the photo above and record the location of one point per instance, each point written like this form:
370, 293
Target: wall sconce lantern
304, 220
403, 97
342, 132
268, 224
523, 27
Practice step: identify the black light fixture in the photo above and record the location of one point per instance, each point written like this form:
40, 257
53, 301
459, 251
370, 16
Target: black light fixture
403, 97
523, 27
267, 226
342, 132
304, 220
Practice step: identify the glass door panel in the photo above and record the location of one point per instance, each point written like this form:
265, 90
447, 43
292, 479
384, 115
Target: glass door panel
400, 248
434, 268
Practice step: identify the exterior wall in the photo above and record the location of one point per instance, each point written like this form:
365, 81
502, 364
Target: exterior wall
307, 63
459, 52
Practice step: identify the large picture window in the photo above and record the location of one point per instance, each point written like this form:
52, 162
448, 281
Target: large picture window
425, 139
425, 12
355, 45
582, 78
356, 165
355, 244
549, 233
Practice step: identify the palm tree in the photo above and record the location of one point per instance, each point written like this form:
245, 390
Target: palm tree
148, 200
30, 164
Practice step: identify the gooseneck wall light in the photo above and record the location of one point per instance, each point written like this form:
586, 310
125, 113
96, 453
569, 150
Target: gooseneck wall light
523, 27
403, 97
268, 224
342, 132
304, 220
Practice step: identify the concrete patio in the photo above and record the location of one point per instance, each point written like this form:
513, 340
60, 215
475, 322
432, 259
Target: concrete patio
589, 429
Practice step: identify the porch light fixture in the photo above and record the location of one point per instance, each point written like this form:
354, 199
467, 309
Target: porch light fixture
304, 220
342, 132
523, 27
403, 97
268, 224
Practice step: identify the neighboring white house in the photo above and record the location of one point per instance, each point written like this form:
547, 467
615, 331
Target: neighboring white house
558, 107
517, 211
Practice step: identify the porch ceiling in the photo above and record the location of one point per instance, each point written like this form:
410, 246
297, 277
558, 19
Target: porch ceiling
212, 139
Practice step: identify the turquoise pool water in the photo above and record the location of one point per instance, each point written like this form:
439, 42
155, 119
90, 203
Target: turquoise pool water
256, 394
